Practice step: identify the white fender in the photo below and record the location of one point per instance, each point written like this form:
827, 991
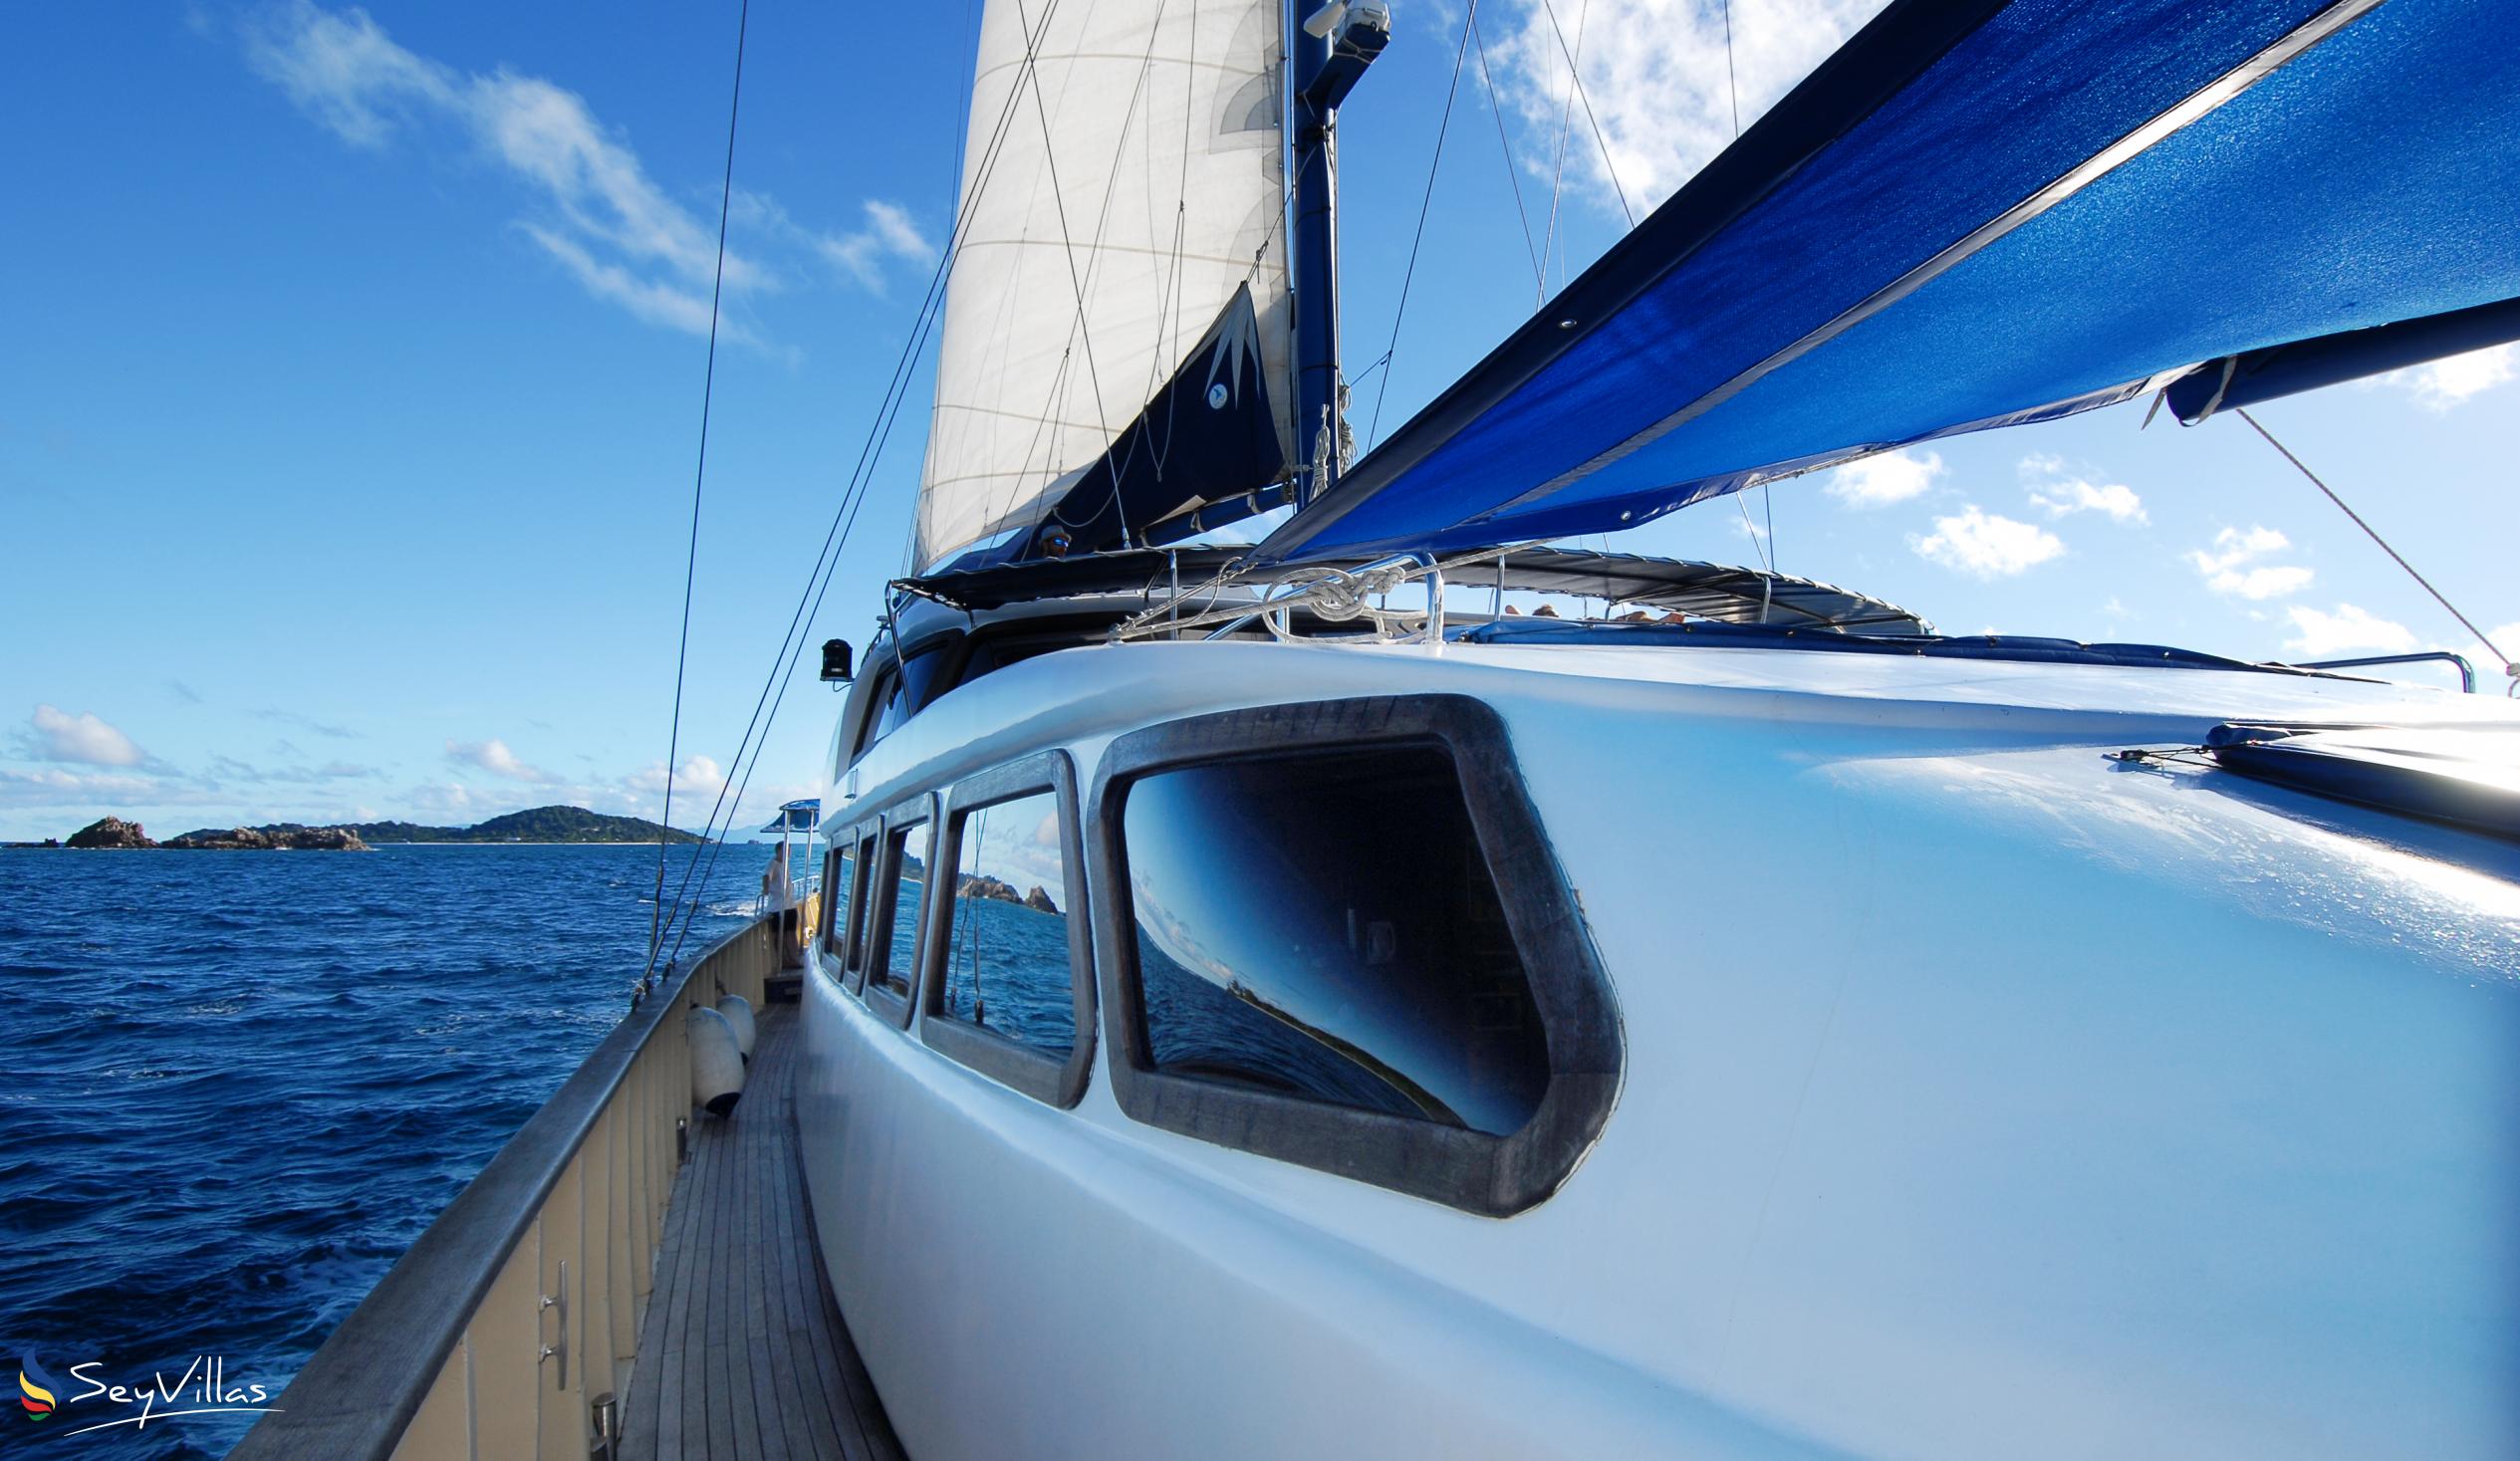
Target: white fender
717, 1063
738, 1012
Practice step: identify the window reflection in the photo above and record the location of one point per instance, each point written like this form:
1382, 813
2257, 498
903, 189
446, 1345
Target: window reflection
840, 894
909, 857
1007, 967
857, 881
1325, 925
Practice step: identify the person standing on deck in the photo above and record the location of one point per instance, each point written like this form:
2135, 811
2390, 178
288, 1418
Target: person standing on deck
778, 895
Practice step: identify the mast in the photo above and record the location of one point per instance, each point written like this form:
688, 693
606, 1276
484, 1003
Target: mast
1326, 54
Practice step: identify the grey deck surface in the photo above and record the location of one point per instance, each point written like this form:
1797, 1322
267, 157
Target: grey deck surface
742, 1353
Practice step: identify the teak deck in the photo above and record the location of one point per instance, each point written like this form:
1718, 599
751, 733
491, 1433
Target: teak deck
742, 1353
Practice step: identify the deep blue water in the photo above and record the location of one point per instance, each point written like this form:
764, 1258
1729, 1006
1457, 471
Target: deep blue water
238, 1084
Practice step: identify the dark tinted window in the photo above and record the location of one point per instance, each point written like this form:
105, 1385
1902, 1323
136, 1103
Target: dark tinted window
991, 655
924, 675
1007, 962
909, 857
884, 711
859, 915
840, 895
1324, 925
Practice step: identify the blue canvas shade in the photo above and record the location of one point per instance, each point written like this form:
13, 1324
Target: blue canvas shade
800, 816
1978, 215
2289, 369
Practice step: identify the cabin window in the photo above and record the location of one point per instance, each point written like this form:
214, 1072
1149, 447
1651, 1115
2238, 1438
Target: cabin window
1325, 927
858, 915
1007, 966
1012, 990
925, 674
883, 710
836, 866
906, 688
895, 965
1343, 940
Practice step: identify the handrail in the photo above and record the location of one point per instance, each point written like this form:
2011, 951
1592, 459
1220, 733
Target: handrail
2467, 672
423, 1366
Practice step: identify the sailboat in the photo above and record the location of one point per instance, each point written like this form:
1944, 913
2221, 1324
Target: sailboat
1279, 998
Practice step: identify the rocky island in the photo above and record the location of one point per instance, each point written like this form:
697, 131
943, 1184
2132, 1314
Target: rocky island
114, 832
110, 832
982, 886
538, 825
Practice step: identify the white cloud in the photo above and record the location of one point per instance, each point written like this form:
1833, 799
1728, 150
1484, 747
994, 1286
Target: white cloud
2349, 630
54, 735
46, 786
1658, 79
888, 233
2221, 564
2257, 585
1985, 545
2441, 385
2063, 492
493, 756
1890, 476
2232, 547
698, 776
599, 215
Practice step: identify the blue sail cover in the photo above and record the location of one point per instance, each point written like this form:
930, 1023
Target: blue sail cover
1979, 214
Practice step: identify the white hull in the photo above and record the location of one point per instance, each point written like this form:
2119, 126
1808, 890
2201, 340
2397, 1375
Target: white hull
1981, 1098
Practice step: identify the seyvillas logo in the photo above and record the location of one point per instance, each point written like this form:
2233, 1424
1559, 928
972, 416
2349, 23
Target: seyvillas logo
202, 1388
37, 1391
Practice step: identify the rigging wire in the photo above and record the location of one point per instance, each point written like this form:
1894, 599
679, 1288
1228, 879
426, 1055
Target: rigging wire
879, 436
1399, 311
2510, 670
699, 474
1031, 80
1513, 175
1557, 165
1733, 77
1166, 311
1610, 169
1767, 492
845, 515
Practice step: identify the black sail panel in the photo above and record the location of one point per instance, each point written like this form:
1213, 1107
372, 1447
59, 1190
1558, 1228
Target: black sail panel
1204, 452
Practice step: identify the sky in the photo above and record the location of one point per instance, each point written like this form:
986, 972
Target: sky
354, 365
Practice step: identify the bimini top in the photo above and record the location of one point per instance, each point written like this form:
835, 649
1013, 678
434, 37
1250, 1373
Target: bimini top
1980, 213
1700, 590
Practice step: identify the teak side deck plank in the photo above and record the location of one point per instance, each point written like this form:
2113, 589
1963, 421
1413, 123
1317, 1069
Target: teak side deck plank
742, 1355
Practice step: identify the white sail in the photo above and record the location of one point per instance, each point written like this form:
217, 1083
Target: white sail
1117, 189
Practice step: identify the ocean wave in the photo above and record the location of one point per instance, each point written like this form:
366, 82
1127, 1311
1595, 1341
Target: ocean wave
237, 1101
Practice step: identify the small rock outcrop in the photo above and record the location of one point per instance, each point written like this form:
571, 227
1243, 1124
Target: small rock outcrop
998, 889
110, 832
282, 838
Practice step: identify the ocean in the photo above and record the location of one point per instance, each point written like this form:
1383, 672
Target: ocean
238, 1084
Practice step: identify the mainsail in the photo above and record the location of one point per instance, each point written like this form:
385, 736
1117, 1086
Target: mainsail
1121, 190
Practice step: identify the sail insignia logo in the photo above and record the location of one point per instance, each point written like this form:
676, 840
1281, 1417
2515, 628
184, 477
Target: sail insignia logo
37, 1391
202, 1388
